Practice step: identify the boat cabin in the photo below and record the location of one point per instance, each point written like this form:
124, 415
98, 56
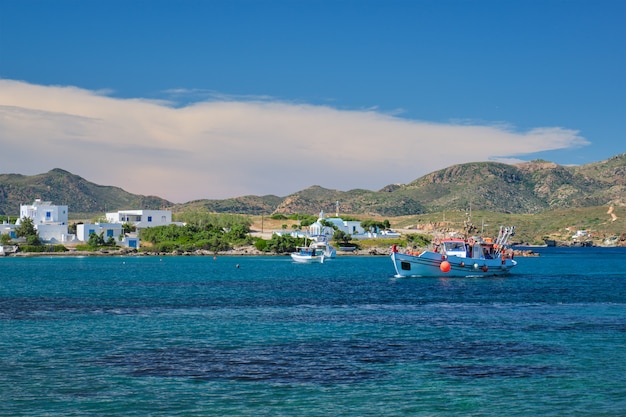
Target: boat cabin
310, 251
473, 248
454, 247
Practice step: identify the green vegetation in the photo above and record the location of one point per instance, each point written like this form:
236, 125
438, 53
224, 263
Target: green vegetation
26, 229
342, 238
84, 199
418, 240
222, 232
203, 218
203, 231
43, 248
373, 225
281, 244
529, 228
97, 241
5, 239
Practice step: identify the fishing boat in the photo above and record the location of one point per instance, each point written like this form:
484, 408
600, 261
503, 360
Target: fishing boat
455, 257
307, 254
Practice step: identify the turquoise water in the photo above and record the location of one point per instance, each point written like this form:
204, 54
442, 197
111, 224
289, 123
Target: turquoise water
262, 336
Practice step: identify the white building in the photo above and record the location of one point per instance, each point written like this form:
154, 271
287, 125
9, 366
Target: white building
353, 228
318, 231
350, 227
49, 220
7, 228
108, 230
83, 231
143, 218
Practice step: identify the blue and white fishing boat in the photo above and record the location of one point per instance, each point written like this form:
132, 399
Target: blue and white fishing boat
454, 257
307, 254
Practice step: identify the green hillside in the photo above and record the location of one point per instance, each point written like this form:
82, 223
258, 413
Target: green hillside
527, 188
63, 188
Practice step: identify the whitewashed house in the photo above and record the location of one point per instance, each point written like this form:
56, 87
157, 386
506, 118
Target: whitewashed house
108, 230
351, 227
142, 219
7, 228
83, 231
49, 220
318, 231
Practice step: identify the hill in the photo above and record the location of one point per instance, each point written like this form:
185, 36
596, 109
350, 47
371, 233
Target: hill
63, 188
526, 188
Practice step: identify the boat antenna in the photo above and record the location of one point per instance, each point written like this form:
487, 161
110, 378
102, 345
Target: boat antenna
469, 227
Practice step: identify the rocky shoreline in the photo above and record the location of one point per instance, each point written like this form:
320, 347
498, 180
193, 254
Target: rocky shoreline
240, 251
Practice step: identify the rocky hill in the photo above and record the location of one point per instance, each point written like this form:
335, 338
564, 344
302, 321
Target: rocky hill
63, 188
529, 187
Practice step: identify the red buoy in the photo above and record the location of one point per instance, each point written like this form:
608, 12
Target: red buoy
445, 266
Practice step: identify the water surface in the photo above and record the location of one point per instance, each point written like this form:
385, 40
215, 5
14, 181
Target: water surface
265, 336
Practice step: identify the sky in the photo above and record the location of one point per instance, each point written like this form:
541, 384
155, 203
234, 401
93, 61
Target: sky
194, 99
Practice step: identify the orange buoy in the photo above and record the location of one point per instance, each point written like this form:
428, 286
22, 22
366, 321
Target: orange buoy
445, 266
485, 268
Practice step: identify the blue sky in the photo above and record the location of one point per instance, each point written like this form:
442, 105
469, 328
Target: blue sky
243, 97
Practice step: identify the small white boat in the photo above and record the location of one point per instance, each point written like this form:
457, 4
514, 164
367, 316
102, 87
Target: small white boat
307, 254
347, 248
6, 250
473, 257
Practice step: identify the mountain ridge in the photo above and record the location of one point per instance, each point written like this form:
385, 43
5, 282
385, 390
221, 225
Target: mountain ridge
528, 187
61, 187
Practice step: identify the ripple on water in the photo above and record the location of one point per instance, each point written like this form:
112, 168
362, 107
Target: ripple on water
337, 361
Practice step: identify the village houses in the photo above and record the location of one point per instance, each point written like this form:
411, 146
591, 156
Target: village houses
51, 223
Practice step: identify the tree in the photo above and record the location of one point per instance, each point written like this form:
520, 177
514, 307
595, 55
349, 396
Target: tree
26, 228
342, 237
96, 240
5, 239
326, 223
372, 225
282, 244
128, 228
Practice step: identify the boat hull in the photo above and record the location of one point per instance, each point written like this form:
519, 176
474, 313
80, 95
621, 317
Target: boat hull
428, 264
307, 259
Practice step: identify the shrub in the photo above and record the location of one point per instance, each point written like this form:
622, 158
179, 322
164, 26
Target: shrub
261, 244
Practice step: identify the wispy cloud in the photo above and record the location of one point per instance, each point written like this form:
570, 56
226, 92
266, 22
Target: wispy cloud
229, 147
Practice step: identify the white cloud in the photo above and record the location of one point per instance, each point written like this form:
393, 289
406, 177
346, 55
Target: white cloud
231, 147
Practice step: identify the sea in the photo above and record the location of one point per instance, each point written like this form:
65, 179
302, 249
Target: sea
263, 336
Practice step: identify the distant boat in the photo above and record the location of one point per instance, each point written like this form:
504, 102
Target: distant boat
347, 248
458, 258
5, 250
306, 254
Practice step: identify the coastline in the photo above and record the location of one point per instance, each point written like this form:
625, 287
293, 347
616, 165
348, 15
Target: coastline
241, 251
